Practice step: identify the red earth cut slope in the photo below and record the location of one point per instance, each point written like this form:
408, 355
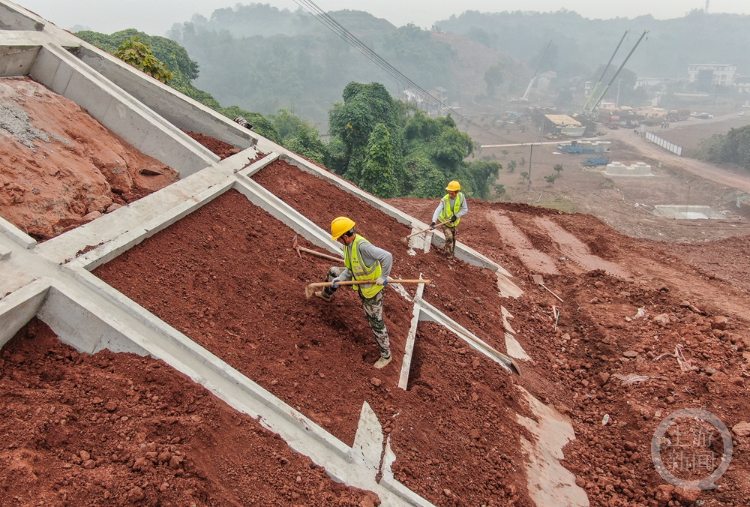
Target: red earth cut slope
227, 277
120, 429
60, 168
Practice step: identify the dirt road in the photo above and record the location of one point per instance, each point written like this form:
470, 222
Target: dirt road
703, 169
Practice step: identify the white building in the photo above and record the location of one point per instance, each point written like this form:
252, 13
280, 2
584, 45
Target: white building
721, 73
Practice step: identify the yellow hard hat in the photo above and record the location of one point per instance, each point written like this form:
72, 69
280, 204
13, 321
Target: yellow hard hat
339, 226
453, 186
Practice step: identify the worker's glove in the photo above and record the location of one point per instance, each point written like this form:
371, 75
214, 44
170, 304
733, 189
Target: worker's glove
454, 218
382, 281
432, 226
335, 283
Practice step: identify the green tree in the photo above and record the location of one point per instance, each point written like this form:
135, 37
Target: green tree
365, 106
558, 168
512, 166
139, 55
430, 182
550, 178
524, 176
523, 161
378, 174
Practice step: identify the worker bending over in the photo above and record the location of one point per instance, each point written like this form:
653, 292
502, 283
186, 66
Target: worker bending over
451, 208
363, 261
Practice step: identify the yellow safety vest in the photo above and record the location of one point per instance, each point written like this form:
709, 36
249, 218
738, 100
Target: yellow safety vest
447, 213
359, 270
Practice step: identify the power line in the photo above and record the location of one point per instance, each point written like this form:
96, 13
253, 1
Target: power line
325, 19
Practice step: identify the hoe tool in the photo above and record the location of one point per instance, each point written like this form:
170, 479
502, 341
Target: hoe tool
539, 280
299, 249
405, 239
310, 289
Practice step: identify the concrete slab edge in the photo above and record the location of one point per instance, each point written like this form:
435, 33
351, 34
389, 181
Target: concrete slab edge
4, 253
19, 307
16, 234
389, 483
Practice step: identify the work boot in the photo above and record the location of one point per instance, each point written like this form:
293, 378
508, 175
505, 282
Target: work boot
322, 295
382, 362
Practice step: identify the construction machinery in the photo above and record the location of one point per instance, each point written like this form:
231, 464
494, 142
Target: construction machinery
606, 68
595, 103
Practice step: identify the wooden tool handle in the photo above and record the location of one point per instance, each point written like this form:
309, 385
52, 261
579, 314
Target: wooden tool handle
365, 282
428, 229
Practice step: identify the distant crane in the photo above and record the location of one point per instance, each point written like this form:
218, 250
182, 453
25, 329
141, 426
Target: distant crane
618, 70
525, 97
707, 2
598, 83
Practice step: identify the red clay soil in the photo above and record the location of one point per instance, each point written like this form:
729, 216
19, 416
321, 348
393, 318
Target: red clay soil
227, 277
59, 167
460, 290
573, 367
116, 429
215, 146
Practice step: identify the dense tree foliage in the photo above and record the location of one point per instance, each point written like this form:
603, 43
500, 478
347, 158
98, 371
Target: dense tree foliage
139, 55
391, 149
731, 148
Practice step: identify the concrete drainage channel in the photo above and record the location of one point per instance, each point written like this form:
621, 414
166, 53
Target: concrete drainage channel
52, 281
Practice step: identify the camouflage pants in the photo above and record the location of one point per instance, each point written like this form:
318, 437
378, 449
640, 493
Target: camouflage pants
450, 240
373, 312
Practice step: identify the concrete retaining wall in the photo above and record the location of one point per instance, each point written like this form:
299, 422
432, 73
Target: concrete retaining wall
61, 72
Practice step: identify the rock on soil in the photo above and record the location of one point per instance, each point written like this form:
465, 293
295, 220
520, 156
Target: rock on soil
156, 438
60, 168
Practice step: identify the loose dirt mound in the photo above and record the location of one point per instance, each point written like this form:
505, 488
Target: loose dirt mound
217, 147
115, 429
60, 168
227, 277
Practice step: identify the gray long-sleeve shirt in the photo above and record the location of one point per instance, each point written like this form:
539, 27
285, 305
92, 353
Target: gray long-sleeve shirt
370, 254
464, 208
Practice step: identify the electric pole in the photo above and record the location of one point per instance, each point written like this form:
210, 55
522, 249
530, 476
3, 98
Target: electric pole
531, 154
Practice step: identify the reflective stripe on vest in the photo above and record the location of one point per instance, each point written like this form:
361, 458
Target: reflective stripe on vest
359, 270
444, 214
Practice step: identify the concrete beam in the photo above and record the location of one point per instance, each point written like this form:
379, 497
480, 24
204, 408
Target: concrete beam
285, 213
60, 71
178, 109
431, 314
131, 224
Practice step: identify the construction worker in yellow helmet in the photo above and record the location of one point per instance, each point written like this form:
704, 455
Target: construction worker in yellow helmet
450, 210
363, 261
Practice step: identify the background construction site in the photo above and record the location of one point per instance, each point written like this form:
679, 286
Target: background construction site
158, 348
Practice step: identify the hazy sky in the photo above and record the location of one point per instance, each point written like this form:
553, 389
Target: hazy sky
108, 15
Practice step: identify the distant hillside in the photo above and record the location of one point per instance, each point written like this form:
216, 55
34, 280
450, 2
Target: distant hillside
265, 59
580, 44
